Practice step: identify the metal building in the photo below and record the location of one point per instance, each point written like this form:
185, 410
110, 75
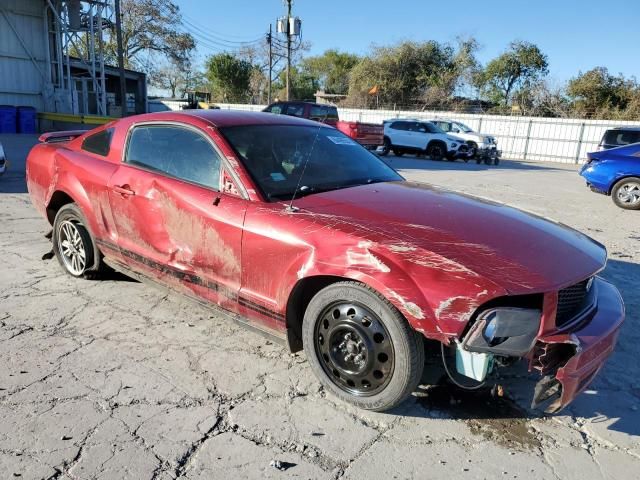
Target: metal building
52, 57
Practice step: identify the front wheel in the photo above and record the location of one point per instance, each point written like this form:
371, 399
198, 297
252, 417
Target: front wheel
626, 193
436, 151
386, 147
360, 347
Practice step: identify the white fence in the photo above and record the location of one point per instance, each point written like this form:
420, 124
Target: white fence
541, 139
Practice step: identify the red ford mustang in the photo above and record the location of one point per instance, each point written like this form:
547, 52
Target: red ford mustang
306, 235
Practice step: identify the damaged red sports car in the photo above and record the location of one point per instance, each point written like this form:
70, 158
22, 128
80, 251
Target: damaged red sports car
306, 235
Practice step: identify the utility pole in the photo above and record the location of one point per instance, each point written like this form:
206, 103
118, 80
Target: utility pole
270, 64
289, 2
123, 80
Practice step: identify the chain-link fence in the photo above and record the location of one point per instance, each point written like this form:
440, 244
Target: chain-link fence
543, 139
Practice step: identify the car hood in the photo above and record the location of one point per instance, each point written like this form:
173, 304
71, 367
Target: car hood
519, 251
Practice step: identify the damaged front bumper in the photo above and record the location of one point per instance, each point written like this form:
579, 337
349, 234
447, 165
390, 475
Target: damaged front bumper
569, 360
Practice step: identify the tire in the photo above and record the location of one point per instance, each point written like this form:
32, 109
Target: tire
478, 160
626, 193
436, 151
360, 347
398, 152
73, 244
386, 147
496, 161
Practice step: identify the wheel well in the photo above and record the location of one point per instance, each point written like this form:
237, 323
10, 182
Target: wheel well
613, 184
433, 142
58, 200
299, 298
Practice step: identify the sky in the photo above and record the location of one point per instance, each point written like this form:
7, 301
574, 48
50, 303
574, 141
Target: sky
576, 35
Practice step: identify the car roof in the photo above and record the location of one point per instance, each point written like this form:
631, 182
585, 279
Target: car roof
227, 118
305, 102
631, 129
402, 119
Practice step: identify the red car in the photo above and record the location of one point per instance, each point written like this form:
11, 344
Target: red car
369, 135
306, 235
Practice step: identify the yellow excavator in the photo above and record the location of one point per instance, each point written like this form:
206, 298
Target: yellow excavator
199, 100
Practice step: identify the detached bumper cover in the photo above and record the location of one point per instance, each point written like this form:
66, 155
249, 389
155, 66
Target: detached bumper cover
593, 342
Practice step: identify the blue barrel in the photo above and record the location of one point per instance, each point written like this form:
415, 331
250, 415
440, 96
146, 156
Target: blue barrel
8, 117
26, 120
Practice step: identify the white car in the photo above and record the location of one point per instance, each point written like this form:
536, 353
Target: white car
485, 146
3, 161
404, 135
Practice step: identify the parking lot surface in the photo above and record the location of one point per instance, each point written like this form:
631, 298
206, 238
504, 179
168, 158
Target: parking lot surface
115, 379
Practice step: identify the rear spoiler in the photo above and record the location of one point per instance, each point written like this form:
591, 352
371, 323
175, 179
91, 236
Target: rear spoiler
64, 136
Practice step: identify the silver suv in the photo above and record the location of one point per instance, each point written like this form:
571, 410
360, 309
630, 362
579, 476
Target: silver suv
420, 137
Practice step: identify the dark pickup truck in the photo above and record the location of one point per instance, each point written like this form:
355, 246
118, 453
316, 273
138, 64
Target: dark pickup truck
369, 135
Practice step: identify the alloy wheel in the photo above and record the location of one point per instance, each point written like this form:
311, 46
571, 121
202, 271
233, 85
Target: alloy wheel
354, 348
629, 193
72, 248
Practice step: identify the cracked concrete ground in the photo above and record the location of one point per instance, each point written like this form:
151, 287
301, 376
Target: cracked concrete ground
115, 379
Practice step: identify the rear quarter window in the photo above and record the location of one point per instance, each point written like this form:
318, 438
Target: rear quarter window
98, 143
621, 137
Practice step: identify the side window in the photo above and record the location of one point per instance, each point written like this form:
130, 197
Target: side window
276, 108
431, 128
332, 113
445, 126
420, 127
295, 110
98, 143
176, 151
399, 125
318, 112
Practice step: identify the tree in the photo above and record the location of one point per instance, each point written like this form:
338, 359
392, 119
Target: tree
229, 76
176, 77
331, 70
520, 67
150, 26
303, 85
598, 93
405, 72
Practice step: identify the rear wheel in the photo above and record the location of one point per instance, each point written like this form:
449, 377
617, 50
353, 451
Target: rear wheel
360, 347
72, 243
626, 193
398, 152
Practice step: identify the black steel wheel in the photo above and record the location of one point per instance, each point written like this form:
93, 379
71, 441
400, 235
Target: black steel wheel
354, 348
360, 346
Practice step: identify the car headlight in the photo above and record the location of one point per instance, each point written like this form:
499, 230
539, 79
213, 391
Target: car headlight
504, 331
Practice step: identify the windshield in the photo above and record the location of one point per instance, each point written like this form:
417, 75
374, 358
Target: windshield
463, 127
275, 156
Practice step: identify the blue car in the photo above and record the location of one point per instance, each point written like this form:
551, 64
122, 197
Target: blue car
615, 172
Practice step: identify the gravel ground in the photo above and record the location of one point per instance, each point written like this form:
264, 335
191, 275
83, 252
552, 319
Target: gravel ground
115, 379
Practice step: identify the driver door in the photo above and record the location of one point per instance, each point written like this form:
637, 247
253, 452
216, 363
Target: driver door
173, 222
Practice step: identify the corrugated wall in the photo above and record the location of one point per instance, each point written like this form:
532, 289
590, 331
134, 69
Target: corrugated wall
22, 52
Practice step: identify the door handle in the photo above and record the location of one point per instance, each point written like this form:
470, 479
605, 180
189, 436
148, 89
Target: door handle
123, 190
